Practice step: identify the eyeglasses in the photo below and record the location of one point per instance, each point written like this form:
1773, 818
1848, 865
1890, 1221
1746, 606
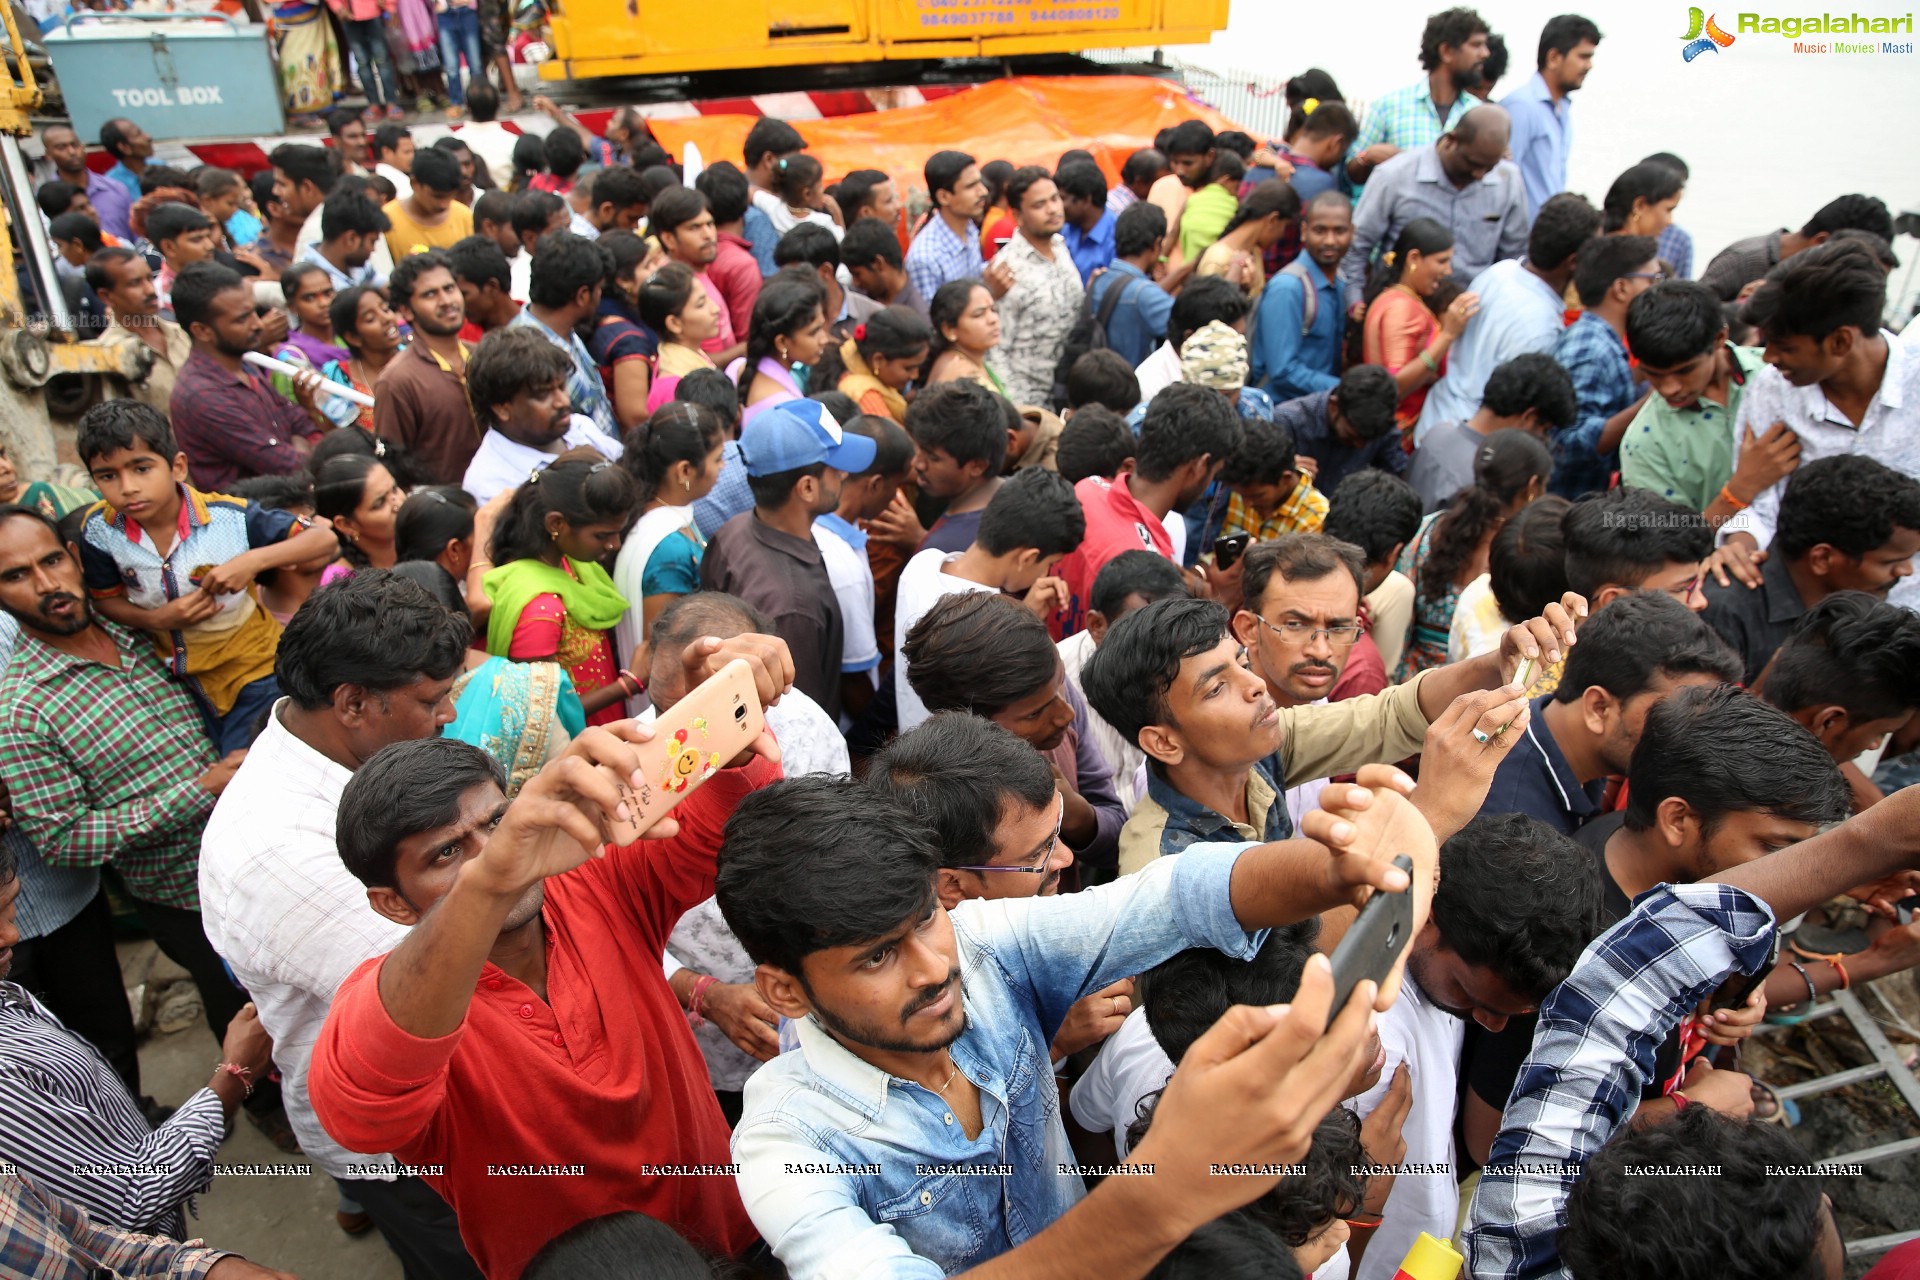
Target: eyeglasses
1046, 852
1301, 634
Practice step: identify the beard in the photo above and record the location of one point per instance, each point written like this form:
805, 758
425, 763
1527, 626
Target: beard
526, 909
894, 1040
42, 621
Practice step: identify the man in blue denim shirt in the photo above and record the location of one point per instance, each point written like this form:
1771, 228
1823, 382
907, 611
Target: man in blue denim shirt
917, 1132
996, 813
1292, 357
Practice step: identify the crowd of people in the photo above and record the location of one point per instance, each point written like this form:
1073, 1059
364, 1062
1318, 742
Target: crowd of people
1370, 449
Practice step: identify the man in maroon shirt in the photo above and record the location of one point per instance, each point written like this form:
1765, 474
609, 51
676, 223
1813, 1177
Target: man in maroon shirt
229, 422
522, 1044
734, 272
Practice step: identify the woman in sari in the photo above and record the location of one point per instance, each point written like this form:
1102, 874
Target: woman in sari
879, 362
364, 325
677, 309
523, 714
50, 500
966, 326
789, 328
551, 599
310, 79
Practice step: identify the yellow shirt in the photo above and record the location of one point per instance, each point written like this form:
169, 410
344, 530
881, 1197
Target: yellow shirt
408, 236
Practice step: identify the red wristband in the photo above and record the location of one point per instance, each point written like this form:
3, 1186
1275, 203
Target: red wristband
697, 1001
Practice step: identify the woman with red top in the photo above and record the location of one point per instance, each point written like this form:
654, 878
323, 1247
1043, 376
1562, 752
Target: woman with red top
552, 602
996, 220
1401, 334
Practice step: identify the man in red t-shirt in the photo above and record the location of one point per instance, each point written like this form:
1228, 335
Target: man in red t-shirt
522, 1045
1186, 436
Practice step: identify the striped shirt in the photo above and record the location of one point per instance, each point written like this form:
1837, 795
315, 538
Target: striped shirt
68, 1122
46, 1237
103, 764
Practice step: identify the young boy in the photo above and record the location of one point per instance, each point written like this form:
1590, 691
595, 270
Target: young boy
843, 544
161, 556
1033, 520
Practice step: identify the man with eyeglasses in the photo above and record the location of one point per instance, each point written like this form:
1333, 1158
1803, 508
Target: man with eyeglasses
1175, 678
1301, 626
1608, 274
996, 811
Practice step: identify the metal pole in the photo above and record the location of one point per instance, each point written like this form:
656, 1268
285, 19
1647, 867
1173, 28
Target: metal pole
17, 184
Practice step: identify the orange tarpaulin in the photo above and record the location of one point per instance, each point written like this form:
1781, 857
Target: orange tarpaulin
1025, 120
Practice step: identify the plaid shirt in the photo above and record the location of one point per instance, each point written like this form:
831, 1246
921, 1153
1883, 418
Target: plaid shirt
1593, 1054
584, 388
1304, 511
102, 764
1603, 385
233, 426
937, 256
1408, 118
43, 1237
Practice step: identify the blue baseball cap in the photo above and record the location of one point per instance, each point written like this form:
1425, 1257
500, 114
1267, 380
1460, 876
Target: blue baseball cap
798, 434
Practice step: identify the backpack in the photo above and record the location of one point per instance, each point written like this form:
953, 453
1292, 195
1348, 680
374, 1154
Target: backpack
1310, 307
1089, 333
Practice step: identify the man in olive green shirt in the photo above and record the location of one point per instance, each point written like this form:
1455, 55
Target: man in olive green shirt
1681, 443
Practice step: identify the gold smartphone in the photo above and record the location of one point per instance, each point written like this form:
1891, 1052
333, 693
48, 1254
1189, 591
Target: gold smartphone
710, 726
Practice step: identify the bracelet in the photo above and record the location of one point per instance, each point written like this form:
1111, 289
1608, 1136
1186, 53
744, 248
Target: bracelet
1366, 1222
1841, 969
239, 1073
1433, 366
1726, 492
1680, 1101
1812, 993
696, 1002
638, 686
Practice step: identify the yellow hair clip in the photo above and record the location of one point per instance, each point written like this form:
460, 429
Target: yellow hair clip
1386, 258
1311, 104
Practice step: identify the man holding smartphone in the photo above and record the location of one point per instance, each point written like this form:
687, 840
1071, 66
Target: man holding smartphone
521, 1044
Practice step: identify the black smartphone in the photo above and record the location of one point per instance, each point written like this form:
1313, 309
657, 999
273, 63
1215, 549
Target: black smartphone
1228, 550
1735, 991
1375, 940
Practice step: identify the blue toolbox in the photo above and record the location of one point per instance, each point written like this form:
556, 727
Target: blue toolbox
179, 75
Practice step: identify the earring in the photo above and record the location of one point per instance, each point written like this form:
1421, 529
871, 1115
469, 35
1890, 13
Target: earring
553, 535
686, 484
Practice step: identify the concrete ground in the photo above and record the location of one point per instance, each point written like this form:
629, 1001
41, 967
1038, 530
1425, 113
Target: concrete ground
283, 1221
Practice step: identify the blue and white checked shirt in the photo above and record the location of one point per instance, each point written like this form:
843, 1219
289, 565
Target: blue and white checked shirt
730, 495
1596, 358
1593, 1054
1676, 250
584, 388
937, 256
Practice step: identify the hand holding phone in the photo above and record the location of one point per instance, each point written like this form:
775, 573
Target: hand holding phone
1375, 941
691, 742
1228, 550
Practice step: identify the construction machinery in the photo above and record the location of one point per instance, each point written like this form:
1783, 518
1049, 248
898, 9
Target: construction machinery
47, 374
599, 38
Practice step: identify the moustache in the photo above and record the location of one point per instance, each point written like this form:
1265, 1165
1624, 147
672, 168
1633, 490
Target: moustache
933, 996
1299, 668
59, 597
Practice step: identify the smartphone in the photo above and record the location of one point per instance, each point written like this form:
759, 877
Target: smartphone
1227, 550
704, 730
1374, 942
1735, 991
1001, 242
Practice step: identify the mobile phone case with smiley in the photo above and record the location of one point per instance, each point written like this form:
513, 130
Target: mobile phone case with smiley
704, 730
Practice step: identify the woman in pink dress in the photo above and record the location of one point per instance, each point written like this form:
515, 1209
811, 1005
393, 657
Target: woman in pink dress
789, 328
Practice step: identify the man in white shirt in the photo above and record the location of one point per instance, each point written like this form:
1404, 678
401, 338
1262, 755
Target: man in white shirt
1199, 303
1518, 904
1032, 522
517, 384
303, 177
485, 136
1129, 581
1835, 378
364, 665
842, 540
